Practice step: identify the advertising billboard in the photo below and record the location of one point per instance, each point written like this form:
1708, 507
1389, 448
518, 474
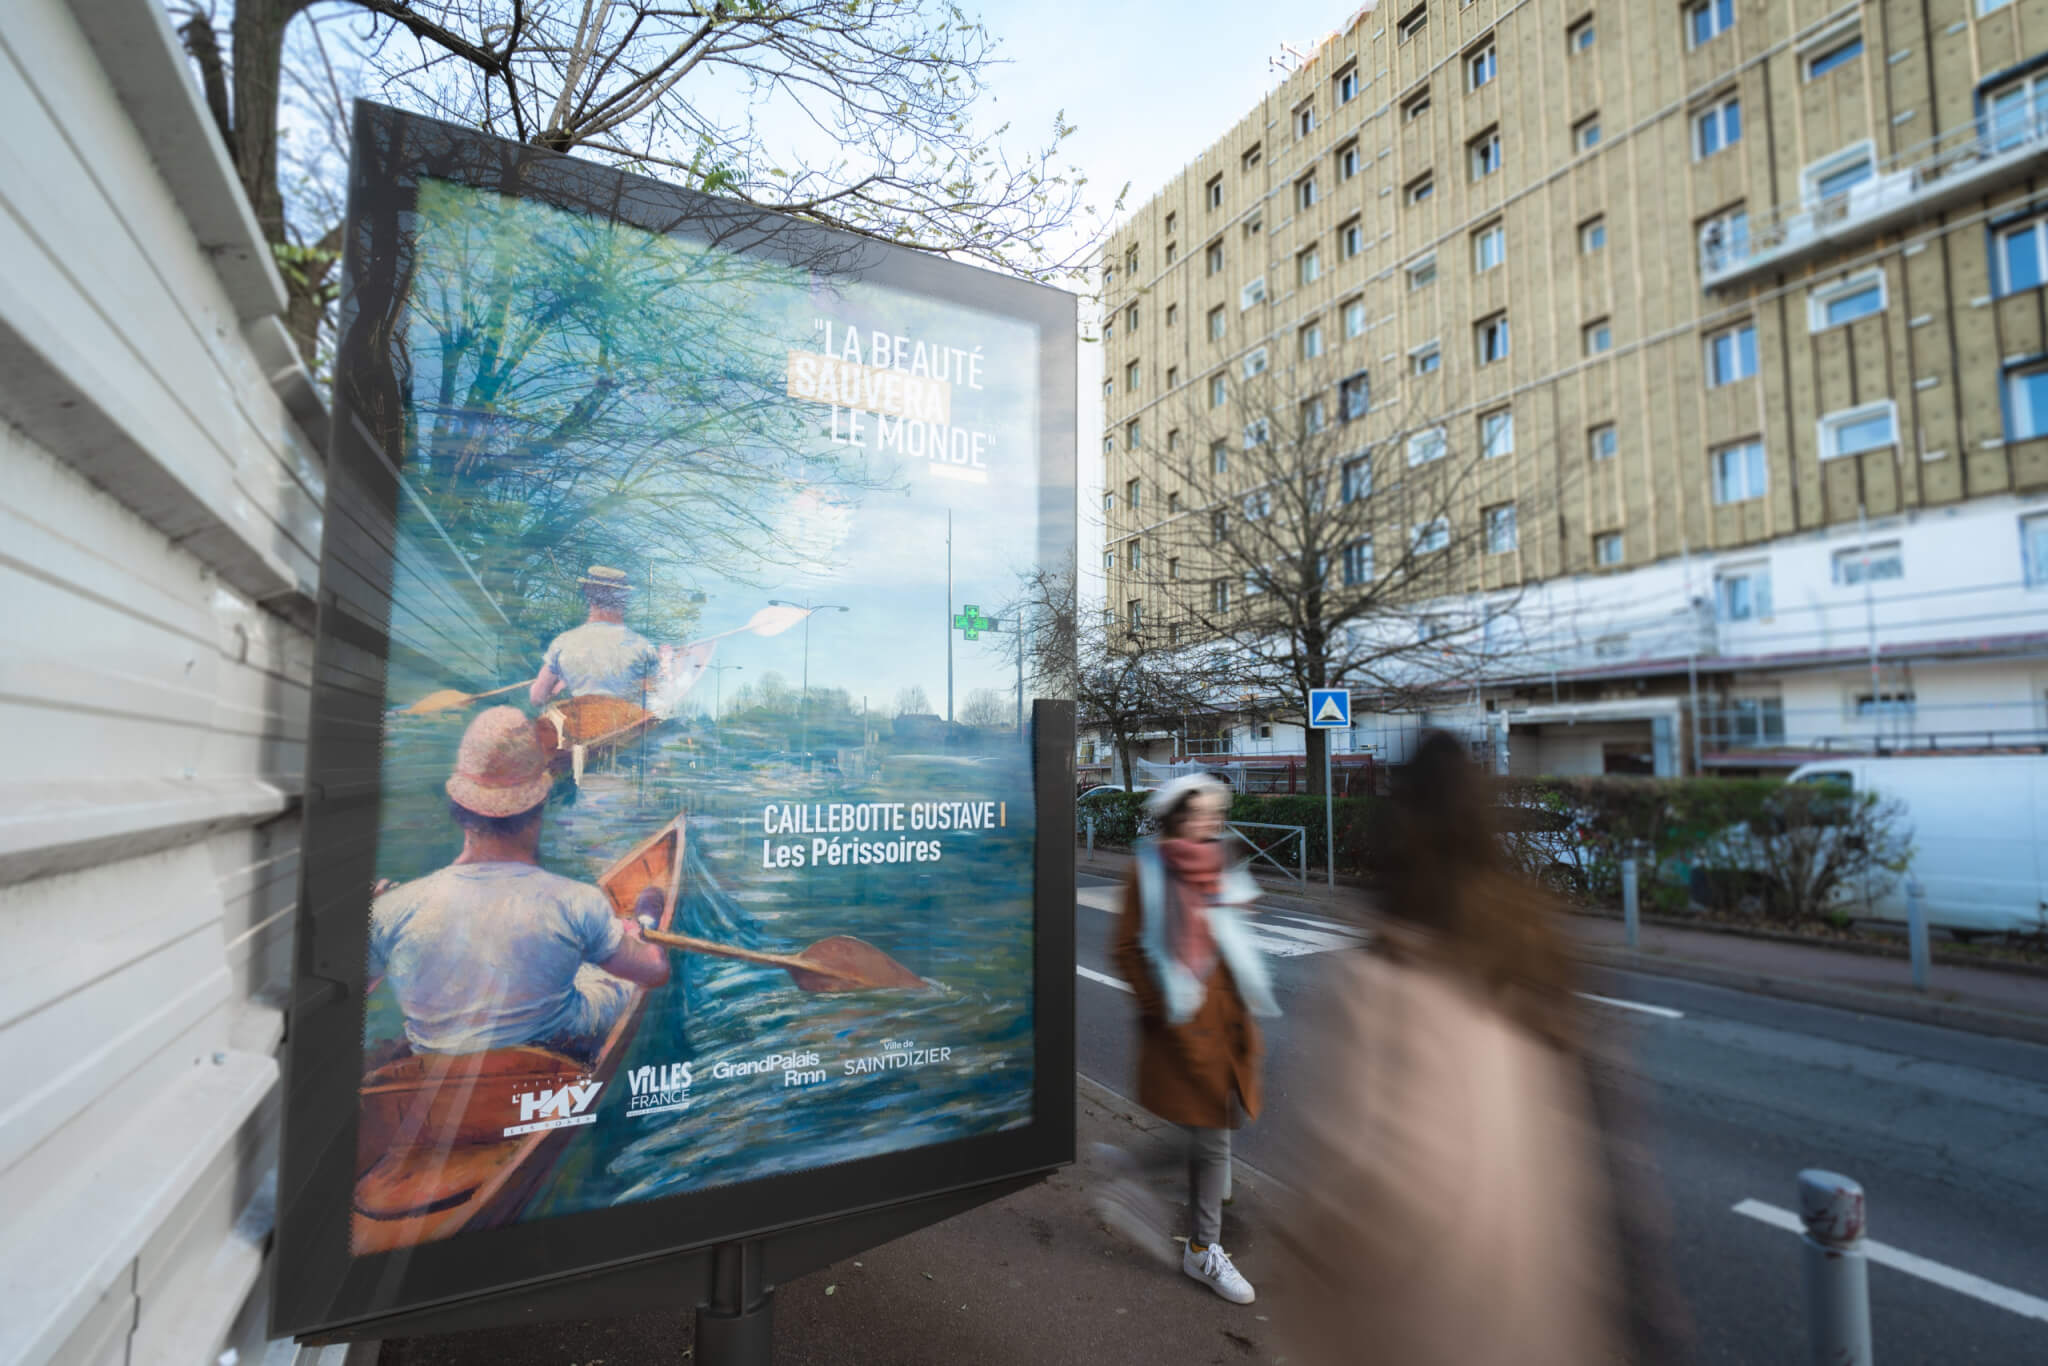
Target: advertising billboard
675, 823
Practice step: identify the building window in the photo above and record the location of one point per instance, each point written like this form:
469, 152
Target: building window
1131, 492
2022, 256
1137, 615
1599, 337
1354, 318
1216, 323
1347, 85
1172, 381
1489, 247
1254, 583
1592, 235
1213, 259
1607, 548
1358, 563
2017, 112
1413, 22
1602, 443
1173, 567
1254, 363
1347, 161
1724, 239
1171, 219
1219, 526
1131, 556
1173, 504
1256, 432
1481, 67
1305, 192
1109, 388
1250, 157
1716, 127
1172, 253
1425, 359
1312, 341
1731, 354
1492, 336
1253, 225
1743, 594
1131, 261
1500, 529
1427, 445
1415, 106
1109, 445
1354, 397
1580, 36
1496, 434
1252, 294
1426, 538
1312, 417
1109, 328
1706, 20
1308, 266
1219, 457
1845, 301
1219, 596
1131, 377
1484, 154
1422, 272
1219, 393
1109, 559
1869, 564
1421, 188
2034, 548
1305, 120
1173, 434
1898, 704
1871, 427
1838, 174
1836, 54
1131, 435
1740, 473
1351, 239
1108, 501
2026, 402
1586, 133
1172, 314
1214, 192
1357, 479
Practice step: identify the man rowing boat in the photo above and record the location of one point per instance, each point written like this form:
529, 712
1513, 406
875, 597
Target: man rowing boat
603, 655
494, 951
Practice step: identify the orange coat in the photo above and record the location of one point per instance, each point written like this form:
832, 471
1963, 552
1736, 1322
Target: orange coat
1201, 1072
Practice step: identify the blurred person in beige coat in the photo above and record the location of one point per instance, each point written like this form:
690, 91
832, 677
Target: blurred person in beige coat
1451, 1200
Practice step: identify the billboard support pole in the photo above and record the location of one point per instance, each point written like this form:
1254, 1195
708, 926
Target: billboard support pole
737, 1328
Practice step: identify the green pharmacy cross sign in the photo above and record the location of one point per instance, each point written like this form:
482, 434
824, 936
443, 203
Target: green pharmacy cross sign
971, 623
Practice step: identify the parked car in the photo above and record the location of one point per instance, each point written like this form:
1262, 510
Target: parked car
1979, 827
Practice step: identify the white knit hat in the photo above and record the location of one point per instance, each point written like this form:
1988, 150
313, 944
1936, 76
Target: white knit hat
1180, 789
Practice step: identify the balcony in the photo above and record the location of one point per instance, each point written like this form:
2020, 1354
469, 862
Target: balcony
1962, 165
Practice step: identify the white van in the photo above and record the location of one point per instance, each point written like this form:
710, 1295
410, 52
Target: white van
1979, 827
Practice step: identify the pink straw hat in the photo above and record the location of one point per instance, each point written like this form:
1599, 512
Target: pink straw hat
500, 769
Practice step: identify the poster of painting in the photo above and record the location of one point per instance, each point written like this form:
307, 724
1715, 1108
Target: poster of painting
704, 815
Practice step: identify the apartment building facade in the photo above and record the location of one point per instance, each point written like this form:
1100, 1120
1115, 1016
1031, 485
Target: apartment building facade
1735, 306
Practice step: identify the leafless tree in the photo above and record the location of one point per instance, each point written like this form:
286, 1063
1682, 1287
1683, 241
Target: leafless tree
1314, 534
988, 707
913, 701
861, 116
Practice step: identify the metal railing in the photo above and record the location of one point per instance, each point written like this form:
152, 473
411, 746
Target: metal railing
1297, 833
1916, 727
1957, 162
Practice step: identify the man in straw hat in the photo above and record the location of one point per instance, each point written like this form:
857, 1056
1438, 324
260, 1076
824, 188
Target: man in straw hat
603, 655
494, 951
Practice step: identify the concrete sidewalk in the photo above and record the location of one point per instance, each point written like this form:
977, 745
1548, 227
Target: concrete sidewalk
1032, 1280
1986, 1000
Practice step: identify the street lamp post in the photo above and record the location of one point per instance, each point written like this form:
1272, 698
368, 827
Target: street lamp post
804, 707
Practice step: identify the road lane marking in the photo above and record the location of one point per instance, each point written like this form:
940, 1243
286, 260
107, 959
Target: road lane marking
1276, 940
1962, 1282
1661, 1012
1092, 975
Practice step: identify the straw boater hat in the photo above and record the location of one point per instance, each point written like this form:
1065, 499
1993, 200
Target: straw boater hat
604, 576
500, 769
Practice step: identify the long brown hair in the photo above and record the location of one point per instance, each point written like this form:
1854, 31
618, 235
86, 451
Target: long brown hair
1454, 900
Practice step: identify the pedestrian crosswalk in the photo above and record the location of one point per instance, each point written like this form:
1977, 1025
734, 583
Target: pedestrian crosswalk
1278, 934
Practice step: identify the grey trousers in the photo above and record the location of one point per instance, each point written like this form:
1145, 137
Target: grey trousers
1208, 1181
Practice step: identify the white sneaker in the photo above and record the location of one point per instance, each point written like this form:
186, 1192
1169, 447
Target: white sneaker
1214, 1269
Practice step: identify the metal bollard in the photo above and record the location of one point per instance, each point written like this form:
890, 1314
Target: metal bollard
1837, 1272
1091, 834
1631, 920
1916, 931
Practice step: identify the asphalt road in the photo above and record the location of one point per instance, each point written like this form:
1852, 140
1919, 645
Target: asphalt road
1946, 1131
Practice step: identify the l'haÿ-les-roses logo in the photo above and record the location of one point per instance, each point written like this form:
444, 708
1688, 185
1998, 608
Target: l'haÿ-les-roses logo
560, 1107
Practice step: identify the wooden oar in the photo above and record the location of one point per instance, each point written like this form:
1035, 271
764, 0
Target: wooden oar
447, 699
841, 963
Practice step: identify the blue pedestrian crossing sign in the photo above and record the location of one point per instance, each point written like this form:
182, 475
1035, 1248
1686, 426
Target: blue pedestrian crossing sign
1329, 708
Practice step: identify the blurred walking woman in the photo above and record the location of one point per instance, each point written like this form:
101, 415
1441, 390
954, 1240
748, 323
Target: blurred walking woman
1198, 981
1451, 1200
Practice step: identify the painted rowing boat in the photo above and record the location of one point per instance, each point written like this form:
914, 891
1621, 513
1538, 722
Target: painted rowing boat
436, 1151
595, 723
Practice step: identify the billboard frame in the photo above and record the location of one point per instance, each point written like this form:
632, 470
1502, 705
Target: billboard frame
597, 1260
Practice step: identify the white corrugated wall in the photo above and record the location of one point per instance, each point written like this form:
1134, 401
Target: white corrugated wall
160, 490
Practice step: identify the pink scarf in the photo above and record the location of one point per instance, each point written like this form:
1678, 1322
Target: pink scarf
1194, 876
